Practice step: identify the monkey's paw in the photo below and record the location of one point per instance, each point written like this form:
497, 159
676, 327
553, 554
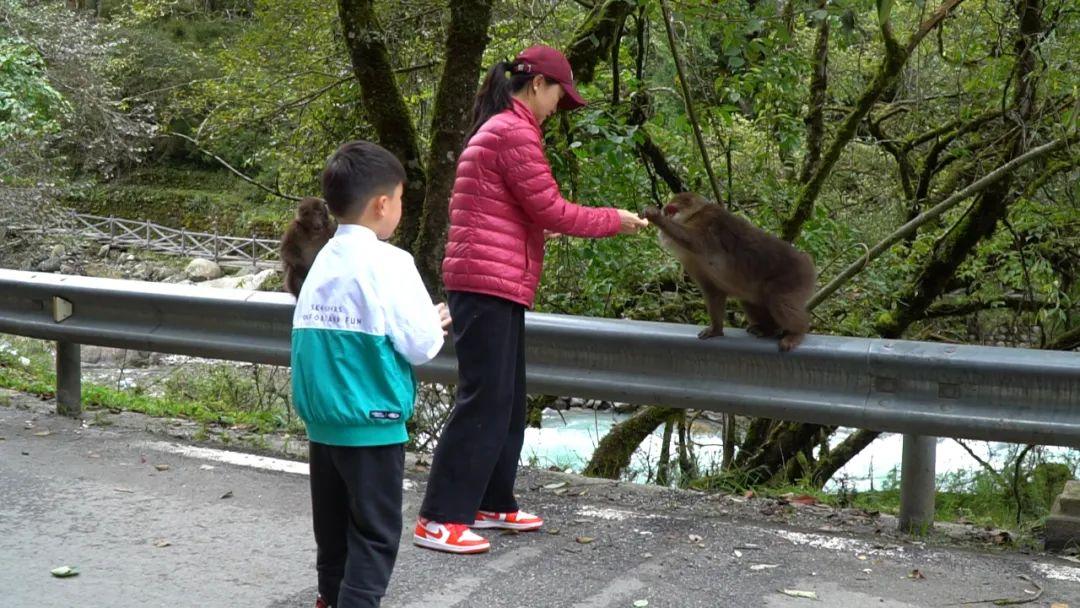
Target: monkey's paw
651, 213
710, 332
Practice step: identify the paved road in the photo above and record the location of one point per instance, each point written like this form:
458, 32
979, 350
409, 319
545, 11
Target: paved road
94, 498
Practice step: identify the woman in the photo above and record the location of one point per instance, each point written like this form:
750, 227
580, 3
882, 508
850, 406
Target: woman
504, 200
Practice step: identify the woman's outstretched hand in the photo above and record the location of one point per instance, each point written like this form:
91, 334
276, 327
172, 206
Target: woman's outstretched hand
629, 222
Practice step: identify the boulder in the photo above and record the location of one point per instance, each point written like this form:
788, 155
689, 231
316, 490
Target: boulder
203, 270
248, 281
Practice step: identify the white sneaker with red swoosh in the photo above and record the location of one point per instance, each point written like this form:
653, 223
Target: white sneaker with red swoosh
451, 538
518, 520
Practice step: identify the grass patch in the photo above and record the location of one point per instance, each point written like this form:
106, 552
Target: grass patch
209, 394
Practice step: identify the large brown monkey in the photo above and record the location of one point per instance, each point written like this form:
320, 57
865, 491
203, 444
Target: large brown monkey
728, 256
305, 236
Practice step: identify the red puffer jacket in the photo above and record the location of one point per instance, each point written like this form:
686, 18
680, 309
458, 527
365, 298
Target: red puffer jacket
504, 198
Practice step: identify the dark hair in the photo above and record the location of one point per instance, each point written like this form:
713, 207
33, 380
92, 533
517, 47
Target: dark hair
494, 94
358, 172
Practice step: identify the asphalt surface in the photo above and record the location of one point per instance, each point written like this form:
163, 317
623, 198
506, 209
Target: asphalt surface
151, 521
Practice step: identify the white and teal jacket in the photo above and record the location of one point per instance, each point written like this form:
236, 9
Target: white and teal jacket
362, 320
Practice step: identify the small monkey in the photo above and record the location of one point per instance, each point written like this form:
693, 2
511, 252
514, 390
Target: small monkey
305, 236
728, 256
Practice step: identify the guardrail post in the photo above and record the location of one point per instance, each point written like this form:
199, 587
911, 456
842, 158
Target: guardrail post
112, 232
68, 379
254, 255
215, 242
917, 489
147, 235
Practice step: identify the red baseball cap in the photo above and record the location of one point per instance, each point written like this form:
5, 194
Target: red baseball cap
545, 60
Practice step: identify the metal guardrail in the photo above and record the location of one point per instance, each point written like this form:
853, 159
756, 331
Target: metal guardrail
921, 389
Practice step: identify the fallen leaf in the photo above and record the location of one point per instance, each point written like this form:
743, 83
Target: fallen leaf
748, 546
227, 495
552, 486
863, 558
1059, 606
511, 532
641, 603
64, 572
649, 556
584, 539
802, 499
810, 595
42, 433
93, 455
867, 570
916, 575
760, 567
161, 467
748, 494
161, 544
553, 531
560, 491
206, 467
124, 490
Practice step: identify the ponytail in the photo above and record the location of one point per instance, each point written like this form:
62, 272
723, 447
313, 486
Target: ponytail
495, 93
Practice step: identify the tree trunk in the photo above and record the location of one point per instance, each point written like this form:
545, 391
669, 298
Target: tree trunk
466, 39
815, 118
785, 442
385, 107
840, 455
663, 478
595, 38
613, 454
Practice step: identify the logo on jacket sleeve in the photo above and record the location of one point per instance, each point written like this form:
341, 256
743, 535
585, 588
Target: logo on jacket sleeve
385, 415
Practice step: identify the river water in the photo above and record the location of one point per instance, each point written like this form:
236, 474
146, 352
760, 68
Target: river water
568, 438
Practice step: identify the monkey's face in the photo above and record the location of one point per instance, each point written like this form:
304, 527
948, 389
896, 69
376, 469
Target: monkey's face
313, 214
682, 206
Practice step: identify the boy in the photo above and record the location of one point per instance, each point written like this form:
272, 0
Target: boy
362, 320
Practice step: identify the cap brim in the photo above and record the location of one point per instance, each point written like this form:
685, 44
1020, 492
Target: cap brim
572, 100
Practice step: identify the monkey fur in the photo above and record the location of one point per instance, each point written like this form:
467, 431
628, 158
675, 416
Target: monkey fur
304, 238
728, 256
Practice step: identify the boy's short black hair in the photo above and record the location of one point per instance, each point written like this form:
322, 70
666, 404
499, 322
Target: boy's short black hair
358, 172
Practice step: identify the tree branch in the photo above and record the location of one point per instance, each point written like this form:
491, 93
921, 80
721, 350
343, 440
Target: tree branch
691, 112
1014, 301
233, 170
1069, 340
892, 64
950, 202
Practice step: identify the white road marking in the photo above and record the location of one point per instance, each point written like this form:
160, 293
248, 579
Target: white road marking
237, 458
1060, 573
241, 459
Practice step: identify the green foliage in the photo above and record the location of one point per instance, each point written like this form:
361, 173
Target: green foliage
29, 105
